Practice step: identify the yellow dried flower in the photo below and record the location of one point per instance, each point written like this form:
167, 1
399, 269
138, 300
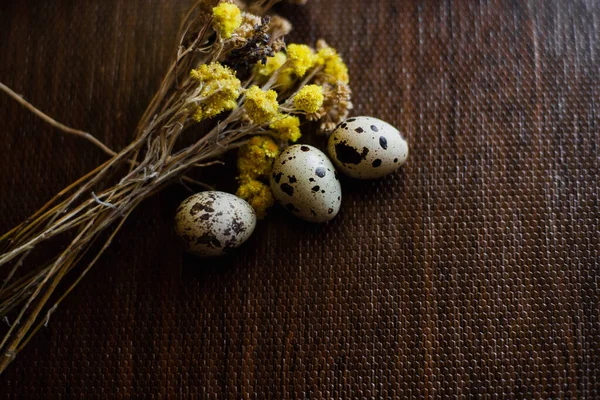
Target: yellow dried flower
272, 65
256, 158
215, 106
218, 90
335, 67
258, 195
286, 77
261, 105
285, 80
309, 99
208, 73
302, 57
287, 127
227, 18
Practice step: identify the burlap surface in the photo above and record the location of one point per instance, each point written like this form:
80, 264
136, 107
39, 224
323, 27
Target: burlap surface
474, 271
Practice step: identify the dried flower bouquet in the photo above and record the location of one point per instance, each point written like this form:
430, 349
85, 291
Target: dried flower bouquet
235, 75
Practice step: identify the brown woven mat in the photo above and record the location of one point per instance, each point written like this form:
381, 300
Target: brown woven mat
475, 270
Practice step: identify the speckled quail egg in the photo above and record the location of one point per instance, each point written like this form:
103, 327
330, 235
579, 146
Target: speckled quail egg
305, 182
211, 223
367, 148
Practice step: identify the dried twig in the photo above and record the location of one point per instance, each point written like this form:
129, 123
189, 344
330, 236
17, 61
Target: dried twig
15, 96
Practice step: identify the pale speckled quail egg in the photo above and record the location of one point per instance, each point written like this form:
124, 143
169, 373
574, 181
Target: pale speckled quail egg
367, 148
306, 183
211, 223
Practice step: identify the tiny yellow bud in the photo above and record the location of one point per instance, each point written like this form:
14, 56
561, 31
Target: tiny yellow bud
302, 58
334, 66
272, 65
257, 194
285, 80
309, 99
261, 106
218, 90
227, 18
255, 159
287, 127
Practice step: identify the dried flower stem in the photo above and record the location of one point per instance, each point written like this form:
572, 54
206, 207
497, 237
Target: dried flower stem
15, 96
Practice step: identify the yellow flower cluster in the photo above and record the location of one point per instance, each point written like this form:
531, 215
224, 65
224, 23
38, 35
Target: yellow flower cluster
256, 158
299, 60
309, 99
286, 127
258, 195
302, 58
261, 106
335, 67
227, 18
272, 65
255, 161
219, 90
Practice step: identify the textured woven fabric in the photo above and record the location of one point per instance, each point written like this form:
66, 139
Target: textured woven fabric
473, 271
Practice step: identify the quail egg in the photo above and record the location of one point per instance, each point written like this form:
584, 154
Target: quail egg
211, 223
305, 182
367, 148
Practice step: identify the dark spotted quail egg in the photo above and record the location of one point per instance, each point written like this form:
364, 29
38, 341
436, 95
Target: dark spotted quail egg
212, 222
367, 148
305, 182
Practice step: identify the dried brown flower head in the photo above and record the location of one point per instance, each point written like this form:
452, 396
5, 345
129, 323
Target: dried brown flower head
255, 49
336, 106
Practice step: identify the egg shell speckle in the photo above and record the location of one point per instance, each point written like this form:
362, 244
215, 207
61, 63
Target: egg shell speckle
367, 148
211, 223
305, 183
